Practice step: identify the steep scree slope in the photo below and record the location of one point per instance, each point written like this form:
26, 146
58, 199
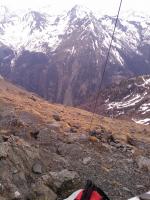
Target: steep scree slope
45, 148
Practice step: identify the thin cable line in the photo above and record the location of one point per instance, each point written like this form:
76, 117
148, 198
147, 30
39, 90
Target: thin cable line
105, 65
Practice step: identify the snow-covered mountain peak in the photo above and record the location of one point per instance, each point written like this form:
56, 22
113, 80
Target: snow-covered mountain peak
79, 11
35, 20
36, 30
32, 29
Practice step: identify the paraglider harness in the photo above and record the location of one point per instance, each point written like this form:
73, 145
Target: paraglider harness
91, 192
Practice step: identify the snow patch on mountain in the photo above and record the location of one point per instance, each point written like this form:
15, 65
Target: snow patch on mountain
145, 108
127, 102
145, 121
132, 98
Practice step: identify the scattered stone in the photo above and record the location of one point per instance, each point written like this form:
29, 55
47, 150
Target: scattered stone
3, 150
37, 168
14, 171
32, 98
112, 143
17, 195
126, 189
133, 151
1, 188
56, 117
102, 134
143, 163
140, 187
35, 134
5, 138
118, 145
93, 133
131, 141
73, 130
86, 160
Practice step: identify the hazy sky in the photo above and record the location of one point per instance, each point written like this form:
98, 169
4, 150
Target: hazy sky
108, 6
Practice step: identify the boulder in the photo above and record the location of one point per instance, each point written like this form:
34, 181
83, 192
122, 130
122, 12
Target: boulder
143, 163
64, 181
86, 160
17, 195
37, 168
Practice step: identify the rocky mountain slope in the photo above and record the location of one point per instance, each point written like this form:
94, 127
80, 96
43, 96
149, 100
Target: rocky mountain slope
46, 148
128, 100
61, 57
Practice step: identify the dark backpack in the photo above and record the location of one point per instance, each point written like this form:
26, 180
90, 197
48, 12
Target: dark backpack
92, 192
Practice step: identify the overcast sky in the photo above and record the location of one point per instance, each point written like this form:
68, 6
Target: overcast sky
107, 6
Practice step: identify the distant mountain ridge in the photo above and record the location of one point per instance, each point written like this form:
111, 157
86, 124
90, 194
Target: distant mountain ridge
61, 57
128, 100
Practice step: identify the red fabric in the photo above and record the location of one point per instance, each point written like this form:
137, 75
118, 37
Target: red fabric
95, 196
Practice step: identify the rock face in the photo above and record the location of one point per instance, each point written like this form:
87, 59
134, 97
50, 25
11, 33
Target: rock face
128, 100
61, 57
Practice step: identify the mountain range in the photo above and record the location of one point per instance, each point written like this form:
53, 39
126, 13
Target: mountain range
61, 57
